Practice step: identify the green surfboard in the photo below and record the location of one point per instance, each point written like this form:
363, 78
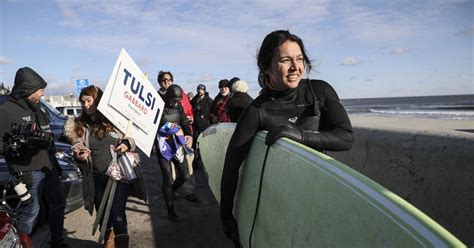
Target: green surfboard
309, 199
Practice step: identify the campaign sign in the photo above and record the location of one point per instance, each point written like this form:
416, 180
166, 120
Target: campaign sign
129, 96
81, 83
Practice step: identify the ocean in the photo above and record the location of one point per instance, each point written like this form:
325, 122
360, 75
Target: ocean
456, 107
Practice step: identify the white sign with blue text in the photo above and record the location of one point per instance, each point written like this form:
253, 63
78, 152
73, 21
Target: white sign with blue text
131, 103
81, 83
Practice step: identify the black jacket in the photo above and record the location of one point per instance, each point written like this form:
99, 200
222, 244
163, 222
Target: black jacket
201, 108
236, 105
15, 111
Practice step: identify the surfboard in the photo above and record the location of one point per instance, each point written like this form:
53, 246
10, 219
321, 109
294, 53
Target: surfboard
308, 199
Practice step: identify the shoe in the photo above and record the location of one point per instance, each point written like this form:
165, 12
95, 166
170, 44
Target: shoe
109, 238
121, 241
191, 197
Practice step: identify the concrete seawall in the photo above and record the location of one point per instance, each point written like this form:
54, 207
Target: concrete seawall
429, 163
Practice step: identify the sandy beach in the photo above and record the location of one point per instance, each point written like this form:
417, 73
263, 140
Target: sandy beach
413, 124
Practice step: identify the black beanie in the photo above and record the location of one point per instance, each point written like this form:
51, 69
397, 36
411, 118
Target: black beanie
26, 83
223, 83
201, 86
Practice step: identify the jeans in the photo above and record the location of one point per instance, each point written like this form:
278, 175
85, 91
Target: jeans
57, 203
117, 218
28, 213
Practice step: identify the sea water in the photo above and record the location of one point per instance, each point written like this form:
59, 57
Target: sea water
460, 107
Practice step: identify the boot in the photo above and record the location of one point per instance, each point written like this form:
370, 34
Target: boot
109, 238
121, 241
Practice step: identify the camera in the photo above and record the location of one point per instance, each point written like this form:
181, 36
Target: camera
24, 139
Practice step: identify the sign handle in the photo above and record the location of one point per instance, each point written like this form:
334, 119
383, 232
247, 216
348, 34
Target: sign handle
129, 128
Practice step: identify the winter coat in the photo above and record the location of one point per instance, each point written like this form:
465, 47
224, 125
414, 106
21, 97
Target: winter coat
218, 113
201, 108
88, 187
18, 112
236, 105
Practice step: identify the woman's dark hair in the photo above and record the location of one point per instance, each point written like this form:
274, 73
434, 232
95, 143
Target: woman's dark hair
161, 75
267, 50
100, 125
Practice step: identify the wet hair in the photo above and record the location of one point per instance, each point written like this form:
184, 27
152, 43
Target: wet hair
268, 48
100, 126
161, 75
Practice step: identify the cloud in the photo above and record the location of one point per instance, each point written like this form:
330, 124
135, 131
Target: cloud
400, 50
350, 61
71, 18
371, 24
4, 60
465, 32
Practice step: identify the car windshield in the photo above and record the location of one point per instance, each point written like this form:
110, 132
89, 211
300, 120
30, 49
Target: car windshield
48, 106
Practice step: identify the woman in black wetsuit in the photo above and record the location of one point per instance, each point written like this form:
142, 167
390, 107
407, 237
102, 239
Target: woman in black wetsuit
307, 111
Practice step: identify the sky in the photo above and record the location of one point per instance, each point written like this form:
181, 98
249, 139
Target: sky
363, 49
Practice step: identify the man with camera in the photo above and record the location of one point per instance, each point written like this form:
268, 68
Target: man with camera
27, 144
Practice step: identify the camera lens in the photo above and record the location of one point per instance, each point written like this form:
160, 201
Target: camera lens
23, 193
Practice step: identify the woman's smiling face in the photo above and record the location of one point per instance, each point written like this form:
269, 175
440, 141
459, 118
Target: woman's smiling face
287, 66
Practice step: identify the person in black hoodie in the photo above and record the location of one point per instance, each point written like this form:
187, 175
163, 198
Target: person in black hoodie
32, 161
239, 100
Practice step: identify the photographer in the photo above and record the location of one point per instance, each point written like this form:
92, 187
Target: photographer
27, 145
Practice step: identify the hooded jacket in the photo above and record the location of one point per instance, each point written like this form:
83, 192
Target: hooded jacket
20, 111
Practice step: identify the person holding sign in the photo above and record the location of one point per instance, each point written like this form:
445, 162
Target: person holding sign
174, 142
93, 135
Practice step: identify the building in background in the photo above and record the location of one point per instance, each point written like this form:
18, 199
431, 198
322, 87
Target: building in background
59, 101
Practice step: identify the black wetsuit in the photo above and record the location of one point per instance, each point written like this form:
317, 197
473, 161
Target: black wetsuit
173, 115
318, 120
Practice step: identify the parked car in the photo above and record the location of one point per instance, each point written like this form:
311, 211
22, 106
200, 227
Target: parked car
71, 111
56, 119
71, 176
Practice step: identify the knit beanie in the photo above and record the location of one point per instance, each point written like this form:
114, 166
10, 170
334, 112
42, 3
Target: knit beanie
240, 86
27, 81
223, 83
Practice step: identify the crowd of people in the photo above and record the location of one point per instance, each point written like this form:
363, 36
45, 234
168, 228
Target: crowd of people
320, 122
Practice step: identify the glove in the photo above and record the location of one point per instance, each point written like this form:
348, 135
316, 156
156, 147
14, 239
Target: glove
231, 230
283, 131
